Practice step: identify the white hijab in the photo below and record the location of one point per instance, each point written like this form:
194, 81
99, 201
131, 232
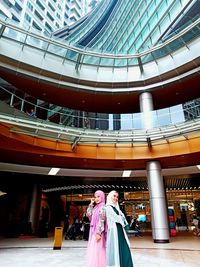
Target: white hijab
109, 201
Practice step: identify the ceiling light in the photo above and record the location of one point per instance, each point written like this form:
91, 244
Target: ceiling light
2, 193
126, 174
53, 171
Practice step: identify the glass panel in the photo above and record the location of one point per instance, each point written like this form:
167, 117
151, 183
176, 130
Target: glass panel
55, 49
154, 119
107, 62
176, 44
177, 114
126, 122
137, 120
194, 33
132, 61
147, 58
120, 62
161, 52
72, 55
12, 34
91, 60
36, 42
164, 117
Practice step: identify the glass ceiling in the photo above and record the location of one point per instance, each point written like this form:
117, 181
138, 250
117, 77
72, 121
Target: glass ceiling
128, 27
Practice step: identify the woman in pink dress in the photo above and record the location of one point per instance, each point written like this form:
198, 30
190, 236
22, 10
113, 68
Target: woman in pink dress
96, 252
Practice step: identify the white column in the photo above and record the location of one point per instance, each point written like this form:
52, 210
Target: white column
158, 203
35, 208
146, 107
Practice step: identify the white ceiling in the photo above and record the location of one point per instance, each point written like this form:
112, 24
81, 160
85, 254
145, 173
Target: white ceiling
8, 167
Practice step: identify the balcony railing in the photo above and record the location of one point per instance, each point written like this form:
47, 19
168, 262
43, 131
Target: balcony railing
80, 56
98, 121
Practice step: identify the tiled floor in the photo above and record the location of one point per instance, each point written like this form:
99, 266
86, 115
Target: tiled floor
183, 251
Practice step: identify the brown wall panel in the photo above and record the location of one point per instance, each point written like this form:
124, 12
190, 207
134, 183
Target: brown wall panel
33, 150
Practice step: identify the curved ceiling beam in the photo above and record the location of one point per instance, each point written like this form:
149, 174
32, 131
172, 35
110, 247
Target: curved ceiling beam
17, 148
179, 92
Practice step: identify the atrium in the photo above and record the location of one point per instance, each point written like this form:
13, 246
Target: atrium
116, 91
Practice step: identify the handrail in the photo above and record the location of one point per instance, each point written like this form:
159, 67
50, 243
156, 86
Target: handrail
192, 31
167, 117
68, 134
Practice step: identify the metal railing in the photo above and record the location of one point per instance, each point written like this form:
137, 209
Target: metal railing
18, 106
74, 136
26, 36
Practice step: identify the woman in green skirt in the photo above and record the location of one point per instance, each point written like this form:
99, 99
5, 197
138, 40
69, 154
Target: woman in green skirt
118, 252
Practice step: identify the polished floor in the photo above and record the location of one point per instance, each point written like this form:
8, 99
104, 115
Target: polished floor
183, 251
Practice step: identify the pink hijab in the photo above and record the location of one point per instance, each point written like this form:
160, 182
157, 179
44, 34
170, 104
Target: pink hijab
97, 208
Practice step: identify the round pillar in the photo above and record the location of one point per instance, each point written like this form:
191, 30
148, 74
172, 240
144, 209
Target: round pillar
146, 107
158, 204
35, 208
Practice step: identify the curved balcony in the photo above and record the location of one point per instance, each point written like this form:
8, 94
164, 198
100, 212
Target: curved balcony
43, 143
85, 79
162, 118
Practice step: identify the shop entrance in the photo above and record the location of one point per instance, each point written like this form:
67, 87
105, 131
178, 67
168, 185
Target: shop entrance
184, 203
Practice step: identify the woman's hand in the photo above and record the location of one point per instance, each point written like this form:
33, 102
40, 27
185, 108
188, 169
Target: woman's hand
98, 237
92, 201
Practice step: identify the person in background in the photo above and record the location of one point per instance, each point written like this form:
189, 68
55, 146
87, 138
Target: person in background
73, 214
75, 230
85, 227
96, 250
32, 113
135, 227
117, 244
86, 122
66, 225
196, 223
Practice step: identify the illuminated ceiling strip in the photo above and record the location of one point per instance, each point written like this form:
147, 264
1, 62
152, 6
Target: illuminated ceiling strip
2, 193
53, 171
126, 173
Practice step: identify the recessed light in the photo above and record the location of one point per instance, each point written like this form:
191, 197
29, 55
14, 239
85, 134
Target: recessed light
2, 193
53, 171
126, 173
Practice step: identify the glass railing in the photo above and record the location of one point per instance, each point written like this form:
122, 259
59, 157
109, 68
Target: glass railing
49, 45
98, 121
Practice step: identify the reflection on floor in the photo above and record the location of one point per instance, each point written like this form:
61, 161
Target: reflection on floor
183, 251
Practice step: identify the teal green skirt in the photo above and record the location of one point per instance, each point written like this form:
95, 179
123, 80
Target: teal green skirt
124, 250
